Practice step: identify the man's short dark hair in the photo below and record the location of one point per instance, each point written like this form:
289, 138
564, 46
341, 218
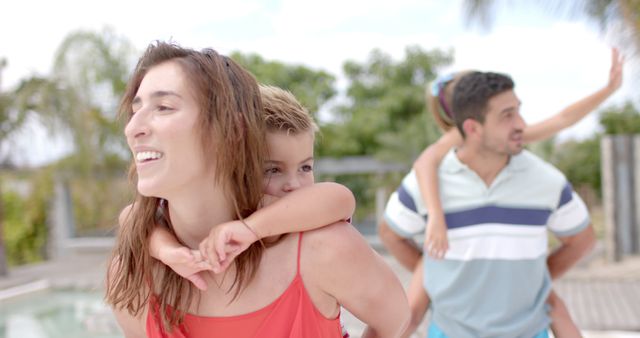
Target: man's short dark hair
472, 93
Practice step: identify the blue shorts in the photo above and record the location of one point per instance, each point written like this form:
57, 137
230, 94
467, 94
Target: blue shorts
435, 332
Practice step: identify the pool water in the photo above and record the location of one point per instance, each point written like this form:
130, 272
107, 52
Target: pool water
57, 314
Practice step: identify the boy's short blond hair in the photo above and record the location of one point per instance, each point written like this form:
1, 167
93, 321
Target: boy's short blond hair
283, 112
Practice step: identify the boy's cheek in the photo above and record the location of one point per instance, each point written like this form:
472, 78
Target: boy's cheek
272, 187
312, 181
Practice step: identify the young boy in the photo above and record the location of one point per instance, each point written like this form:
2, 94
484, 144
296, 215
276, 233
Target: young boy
288, 178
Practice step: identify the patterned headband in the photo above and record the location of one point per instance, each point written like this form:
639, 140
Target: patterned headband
437, 90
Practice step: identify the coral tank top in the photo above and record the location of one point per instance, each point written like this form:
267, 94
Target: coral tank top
293, 314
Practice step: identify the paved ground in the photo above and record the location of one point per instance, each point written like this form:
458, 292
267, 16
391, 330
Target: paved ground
604, 299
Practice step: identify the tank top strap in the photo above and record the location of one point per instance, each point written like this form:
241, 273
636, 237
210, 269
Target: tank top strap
299, 250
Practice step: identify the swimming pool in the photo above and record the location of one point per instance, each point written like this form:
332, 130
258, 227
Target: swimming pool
57, 314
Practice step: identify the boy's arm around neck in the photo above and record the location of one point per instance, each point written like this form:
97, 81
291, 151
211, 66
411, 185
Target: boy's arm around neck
304, 209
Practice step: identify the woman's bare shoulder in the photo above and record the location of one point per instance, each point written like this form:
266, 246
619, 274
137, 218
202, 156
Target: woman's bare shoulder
334, 242
124, 214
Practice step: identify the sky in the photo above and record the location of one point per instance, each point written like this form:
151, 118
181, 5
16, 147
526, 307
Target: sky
553, 60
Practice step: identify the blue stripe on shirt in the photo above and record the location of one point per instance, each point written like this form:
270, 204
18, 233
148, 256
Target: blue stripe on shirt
566, 195
494, 214
406, 199
488, 214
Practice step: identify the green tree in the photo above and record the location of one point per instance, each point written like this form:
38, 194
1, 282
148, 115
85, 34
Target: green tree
386, 112
621, 120
4, 116
10, 120
385, 116
25, 220
312, 87
580, 162
79, 101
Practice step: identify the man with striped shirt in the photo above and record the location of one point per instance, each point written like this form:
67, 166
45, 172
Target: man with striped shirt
499, 202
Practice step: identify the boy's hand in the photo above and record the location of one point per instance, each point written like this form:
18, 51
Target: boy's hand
436, 243
187, 263
225, 242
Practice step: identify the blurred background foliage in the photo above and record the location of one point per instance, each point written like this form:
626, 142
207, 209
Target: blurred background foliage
25, 216
381, 114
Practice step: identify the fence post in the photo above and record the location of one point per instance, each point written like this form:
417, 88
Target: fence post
624, 199
612, 253
621, 194
381, 201
60, 219
636, 192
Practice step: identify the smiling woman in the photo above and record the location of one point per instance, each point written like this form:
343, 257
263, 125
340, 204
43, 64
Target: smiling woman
163, 120
175, 117
196, 127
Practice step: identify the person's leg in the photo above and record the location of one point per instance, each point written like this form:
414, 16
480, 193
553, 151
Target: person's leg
561, 323
418, 299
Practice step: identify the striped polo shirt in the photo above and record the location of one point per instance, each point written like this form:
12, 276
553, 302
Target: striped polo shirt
493, 281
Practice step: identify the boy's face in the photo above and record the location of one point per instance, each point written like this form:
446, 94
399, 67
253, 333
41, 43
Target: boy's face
290, 162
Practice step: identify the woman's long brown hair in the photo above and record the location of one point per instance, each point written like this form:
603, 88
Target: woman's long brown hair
232, 131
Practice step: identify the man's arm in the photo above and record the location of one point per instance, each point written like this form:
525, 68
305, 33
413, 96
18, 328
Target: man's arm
573, 248
405, 250
570, 223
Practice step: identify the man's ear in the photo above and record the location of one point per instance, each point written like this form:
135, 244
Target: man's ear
471, 127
